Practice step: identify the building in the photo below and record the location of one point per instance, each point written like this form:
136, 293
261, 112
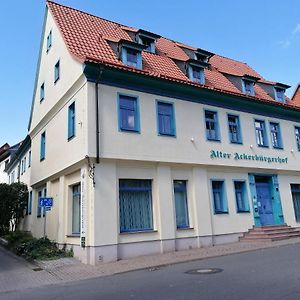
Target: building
6, 154
148, 145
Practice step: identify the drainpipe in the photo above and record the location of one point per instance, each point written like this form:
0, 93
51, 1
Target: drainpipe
97, 114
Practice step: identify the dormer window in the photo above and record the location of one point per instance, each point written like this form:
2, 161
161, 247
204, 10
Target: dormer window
131, 54
196, 74
249, 87
279, 95
147, 39
202, 55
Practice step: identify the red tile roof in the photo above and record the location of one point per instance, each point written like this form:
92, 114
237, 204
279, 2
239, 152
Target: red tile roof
87, 38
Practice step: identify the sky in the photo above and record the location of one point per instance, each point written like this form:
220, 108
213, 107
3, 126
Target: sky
265, 34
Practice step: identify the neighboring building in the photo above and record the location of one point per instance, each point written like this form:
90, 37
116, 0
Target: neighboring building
296, 95
148, 145
6, 153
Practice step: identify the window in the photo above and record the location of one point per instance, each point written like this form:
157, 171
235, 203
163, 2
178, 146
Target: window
181, 207
135, 205
71, 121
165, 118
76, 209
212, 126
29, 159
275, 135
42, 92
148, 43
49, 40
24, 166
297, 135
248, 87
295, 189
279, 95
43, 146
241, 196
219, 198
132, 57
235, 134
260, 131
56, 71
29, 205
196, 74
128, 113
39, 208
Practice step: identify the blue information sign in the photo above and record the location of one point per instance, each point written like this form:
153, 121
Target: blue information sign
45, 202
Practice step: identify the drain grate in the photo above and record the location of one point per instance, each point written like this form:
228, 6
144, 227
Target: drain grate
204, 271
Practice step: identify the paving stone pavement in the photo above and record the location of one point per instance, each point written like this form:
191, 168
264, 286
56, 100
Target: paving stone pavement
16, 274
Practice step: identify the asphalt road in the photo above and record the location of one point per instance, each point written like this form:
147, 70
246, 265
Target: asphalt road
264, 274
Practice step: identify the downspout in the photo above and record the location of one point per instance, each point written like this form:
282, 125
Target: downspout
97, 114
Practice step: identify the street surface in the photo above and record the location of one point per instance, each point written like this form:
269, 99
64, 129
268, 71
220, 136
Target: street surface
272, 273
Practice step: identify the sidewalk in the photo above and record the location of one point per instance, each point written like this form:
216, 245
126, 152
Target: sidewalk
70, 269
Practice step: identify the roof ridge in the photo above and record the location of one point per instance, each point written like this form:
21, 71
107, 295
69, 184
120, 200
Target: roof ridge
84, 12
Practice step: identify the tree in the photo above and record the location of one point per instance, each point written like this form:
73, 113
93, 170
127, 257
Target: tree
13, 204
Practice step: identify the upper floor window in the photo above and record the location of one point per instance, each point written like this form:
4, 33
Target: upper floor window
128, 113
235, 134
165, 118
29, 159
181, 207
43, 146
275, 135
279, 95
56, 71
241, 199
49, 40
132, 57
196, 74
219, 197
212, 125
71, 121
297, 135
261, 135
42, 92
147, 39
248, 87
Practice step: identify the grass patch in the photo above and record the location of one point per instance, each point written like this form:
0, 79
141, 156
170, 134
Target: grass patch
23, 244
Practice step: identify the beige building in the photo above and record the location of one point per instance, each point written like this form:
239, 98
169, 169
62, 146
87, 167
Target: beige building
148, 145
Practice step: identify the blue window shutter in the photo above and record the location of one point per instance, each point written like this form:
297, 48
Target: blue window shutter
166, 118
71, 121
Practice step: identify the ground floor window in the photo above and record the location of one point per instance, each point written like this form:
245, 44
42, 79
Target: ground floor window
180, 195
41, 193
219, 197
76, 210
135, 202
241, 196
295, 188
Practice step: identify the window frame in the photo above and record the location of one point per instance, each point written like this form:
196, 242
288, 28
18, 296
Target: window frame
224, 200
265, 134
239, 129
71, 121
72, 208
279, 90
216, 120
29, 204
173, 118
279, 136
244, 195
43, 146
185, 190
191, 74
42, 92
139, 60
49, 41
137, 127
244, 83
295, 190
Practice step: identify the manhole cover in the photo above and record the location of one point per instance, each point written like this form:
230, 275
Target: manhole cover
204, 271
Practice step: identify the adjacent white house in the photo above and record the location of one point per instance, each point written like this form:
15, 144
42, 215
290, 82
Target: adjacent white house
148, 145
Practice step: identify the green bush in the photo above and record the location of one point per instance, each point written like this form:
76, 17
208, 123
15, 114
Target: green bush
23, 244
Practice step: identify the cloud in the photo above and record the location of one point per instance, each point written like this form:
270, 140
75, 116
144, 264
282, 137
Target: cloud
291, 37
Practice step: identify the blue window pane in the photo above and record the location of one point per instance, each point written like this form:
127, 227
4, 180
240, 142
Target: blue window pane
180, 194
275, 135
220, 204
295, 189
43, 146
249, 87
56, 71
261, 135
165, 116
241, 197
234, 129
280, 95
132, 57
135, 205
128, 113
297, 135
211, 124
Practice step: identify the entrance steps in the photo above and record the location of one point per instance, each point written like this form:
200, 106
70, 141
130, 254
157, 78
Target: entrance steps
270, 233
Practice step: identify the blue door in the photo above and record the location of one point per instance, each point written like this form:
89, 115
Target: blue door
264, 203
